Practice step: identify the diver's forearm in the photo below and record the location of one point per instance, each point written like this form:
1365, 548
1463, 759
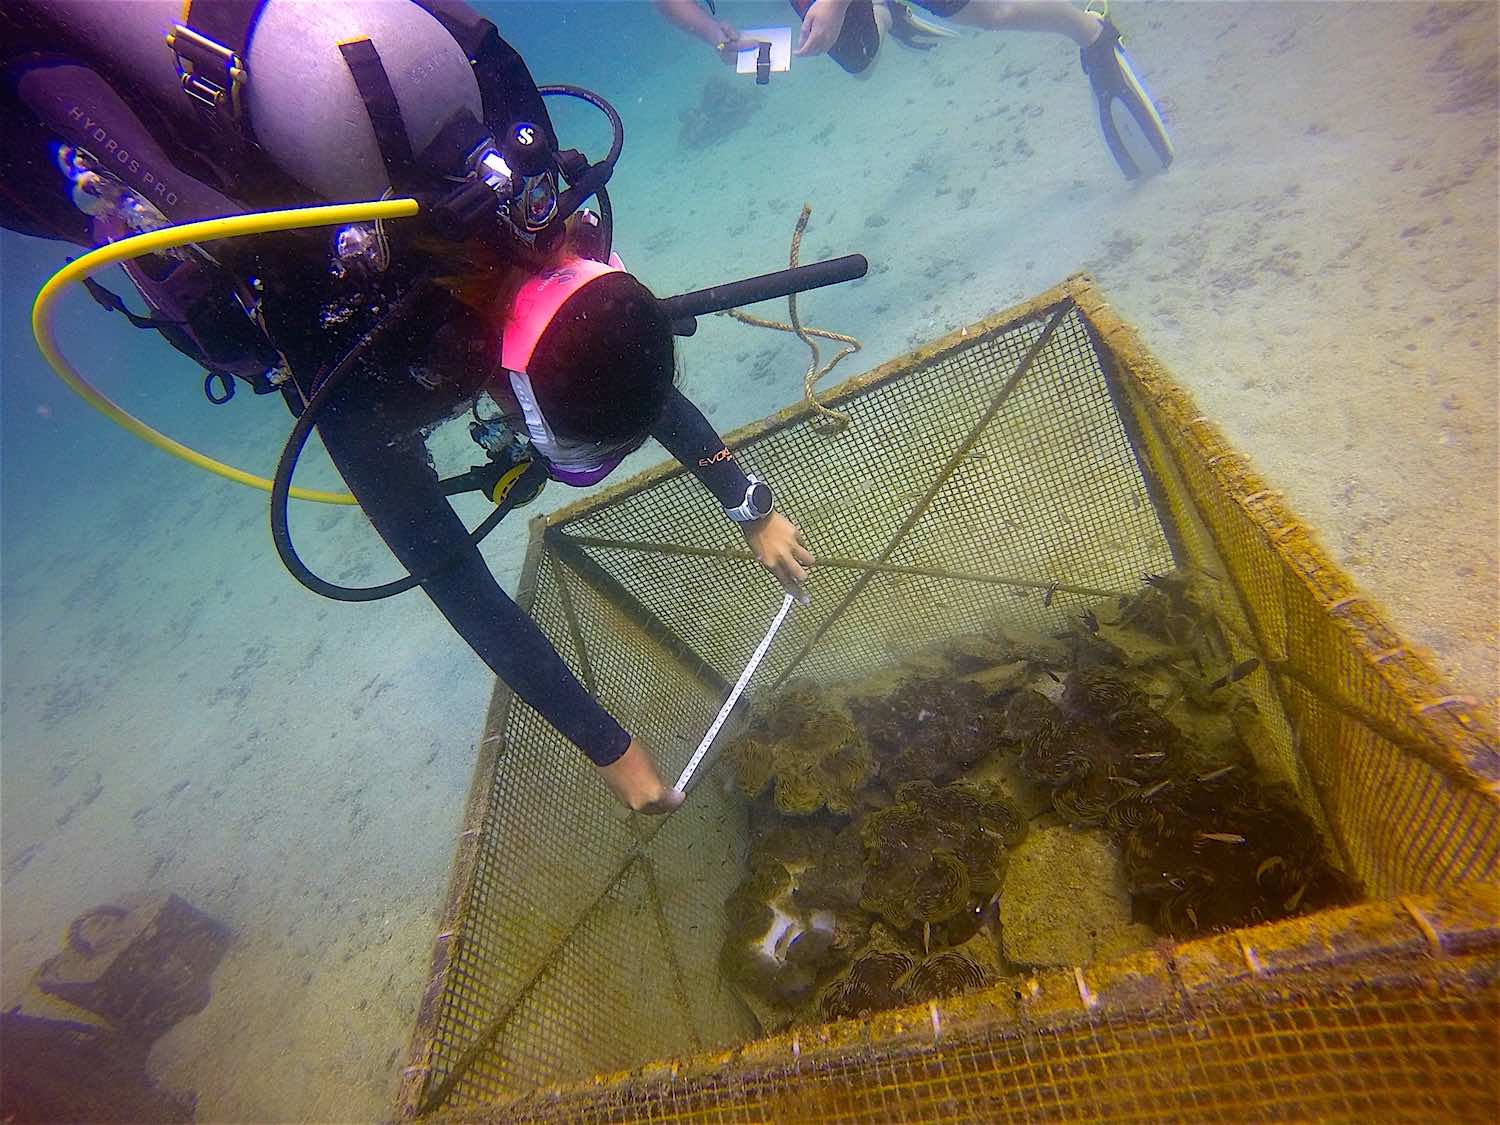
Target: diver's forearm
691, 439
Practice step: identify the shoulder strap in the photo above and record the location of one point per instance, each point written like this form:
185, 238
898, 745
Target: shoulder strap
209, 44
375, 90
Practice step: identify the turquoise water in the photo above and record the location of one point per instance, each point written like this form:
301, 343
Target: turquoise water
179, 715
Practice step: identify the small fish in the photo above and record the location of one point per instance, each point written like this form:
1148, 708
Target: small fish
1214, 775
926, 938
1192, 916
1047, 594
1238, 672
1292, 903
1147, 794
1268, 865
1221, 837
1053, 674
1090, 622
1149, 756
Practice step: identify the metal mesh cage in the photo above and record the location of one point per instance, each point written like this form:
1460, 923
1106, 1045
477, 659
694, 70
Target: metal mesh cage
1019, 469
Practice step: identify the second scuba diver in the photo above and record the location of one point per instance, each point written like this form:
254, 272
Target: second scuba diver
122, 118
850, 33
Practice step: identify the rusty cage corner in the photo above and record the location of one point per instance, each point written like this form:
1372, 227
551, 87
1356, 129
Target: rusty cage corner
574, 975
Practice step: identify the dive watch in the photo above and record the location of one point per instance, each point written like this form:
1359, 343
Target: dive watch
758, 504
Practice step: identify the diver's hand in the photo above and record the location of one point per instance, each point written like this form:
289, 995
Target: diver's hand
780, 548
633, 779
730, 43
821, 26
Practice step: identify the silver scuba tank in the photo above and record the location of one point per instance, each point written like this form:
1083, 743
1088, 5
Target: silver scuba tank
298, 93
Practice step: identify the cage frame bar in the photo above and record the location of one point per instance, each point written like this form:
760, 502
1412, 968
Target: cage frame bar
570, 615
1382, 940
1125, 411
1411, 676
801, 411
575, 559
839, 562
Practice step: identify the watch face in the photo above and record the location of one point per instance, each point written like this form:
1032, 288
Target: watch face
759, 499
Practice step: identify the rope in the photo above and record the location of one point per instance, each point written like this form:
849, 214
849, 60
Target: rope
836, 419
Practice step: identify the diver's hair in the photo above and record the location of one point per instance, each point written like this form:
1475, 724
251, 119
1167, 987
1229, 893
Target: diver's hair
474, 272
604, 366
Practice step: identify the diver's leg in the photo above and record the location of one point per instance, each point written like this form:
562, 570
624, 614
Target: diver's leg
1110, 72
1056, 16
383, 458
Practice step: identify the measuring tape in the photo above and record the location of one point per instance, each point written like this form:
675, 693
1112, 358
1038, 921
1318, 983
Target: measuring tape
708, 739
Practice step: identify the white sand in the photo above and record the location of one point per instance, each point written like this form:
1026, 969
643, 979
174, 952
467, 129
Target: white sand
1319, 269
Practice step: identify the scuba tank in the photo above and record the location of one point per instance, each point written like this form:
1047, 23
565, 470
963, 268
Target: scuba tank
280, 83
235, 106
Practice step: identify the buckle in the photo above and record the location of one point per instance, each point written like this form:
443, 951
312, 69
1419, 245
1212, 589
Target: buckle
210, 72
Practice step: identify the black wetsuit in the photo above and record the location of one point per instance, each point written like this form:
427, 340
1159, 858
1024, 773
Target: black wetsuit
374, 429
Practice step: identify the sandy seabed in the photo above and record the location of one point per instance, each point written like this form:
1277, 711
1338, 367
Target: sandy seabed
1319, 268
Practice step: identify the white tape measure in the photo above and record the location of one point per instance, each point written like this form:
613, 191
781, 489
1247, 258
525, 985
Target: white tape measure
708, 739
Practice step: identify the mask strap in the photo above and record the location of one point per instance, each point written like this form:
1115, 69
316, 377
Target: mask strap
542, 437
531, 413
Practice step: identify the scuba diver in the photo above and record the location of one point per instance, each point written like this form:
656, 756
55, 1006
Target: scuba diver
850, 33
126, 120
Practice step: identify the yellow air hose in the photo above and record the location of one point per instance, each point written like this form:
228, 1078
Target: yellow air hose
234, 226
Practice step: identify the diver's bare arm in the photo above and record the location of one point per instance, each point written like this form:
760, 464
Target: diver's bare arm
634, 780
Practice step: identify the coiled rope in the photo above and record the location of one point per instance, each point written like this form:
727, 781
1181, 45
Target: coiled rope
836, 419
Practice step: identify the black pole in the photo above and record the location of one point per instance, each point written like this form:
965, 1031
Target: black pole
782, 283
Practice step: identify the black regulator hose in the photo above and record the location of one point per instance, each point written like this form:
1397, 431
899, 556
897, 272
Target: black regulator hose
282, 483
593, 180
606, 222
617, 144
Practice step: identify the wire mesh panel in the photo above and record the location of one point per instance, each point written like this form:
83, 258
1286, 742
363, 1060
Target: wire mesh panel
1405, 777
1379, 1012
970, 486
568, 949
1018, 471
